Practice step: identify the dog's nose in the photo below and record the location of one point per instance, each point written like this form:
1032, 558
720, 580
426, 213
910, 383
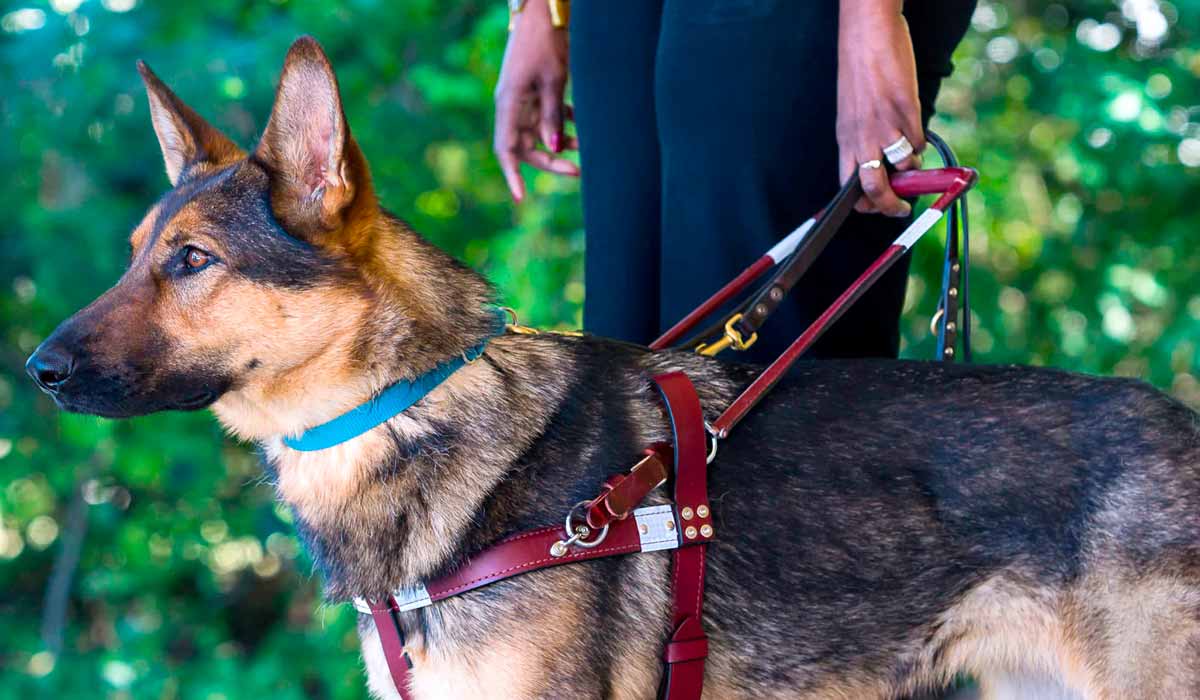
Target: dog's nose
50, 366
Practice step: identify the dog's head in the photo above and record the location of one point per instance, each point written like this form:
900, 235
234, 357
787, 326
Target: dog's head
252, 269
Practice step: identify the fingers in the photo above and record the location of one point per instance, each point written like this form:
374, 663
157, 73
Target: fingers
510, 165
506, 142
526, 152
908, 126
544, 160
847, 167
910, 117
550, 117
912, 161
519, 126
878, 190
862, 143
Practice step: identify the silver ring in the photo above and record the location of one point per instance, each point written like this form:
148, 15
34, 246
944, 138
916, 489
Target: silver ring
871, 164
712, 435
898, 151
576, 536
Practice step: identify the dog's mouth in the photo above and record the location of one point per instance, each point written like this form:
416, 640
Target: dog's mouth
128, 407
196, 402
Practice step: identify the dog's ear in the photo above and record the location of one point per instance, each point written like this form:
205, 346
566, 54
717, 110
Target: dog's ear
316, 168
186, 139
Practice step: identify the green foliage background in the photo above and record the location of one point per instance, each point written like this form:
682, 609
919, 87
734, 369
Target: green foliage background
1083, 116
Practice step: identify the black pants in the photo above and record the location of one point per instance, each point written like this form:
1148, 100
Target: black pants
707, 133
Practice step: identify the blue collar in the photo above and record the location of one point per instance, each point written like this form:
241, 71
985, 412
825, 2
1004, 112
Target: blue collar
387, 404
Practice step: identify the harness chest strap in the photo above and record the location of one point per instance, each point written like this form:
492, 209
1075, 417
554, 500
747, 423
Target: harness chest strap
684, 526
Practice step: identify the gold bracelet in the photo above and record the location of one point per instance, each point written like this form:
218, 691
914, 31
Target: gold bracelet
560, 12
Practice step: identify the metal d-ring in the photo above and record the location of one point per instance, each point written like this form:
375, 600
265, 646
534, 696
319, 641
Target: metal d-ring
933, 322
712, 436
577, 535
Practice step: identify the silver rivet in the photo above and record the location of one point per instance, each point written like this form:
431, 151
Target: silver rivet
953, 291
950, 327
670, 525
644, 529
690, 533
558, 549
949, 352
702, 511
760, 309
955, 267
706, 530
583, 532
686, 513
775, 294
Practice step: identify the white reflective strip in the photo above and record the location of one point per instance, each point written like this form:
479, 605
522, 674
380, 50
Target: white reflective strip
412, 598
785, 247
657, 528
920, 226
406, 599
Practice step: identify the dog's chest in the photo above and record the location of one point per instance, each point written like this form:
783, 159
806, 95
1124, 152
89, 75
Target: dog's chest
498, 670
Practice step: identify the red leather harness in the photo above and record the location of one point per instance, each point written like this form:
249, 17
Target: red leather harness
685, 526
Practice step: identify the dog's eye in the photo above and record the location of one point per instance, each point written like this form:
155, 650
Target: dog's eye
195, 259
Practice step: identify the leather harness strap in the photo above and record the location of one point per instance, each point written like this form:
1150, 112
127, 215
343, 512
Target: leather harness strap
688, 646
622, 493
391, 638
685, 526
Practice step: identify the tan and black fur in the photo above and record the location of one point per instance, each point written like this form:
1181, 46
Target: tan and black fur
882, 526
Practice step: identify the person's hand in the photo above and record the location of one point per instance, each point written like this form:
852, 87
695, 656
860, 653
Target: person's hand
877, 98
529, 99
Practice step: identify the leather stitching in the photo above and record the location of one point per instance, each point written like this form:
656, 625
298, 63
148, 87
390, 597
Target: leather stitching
582, 556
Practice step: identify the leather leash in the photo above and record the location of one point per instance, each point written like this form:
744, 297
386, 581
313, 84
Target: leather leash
791, 270
955, 285
685, 526
794, 255
754, 393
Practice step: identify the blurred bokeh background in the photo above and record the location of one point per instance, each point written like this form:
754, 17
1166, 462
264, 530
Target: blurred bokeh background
146, 559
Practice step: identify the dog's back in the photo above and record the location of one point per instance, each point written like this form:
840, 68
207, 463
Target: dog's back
884, 526
898, 523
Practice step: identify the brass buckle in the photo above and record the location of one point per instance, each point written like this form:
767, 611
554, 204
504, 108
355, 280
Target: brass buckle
515, 327
733, 339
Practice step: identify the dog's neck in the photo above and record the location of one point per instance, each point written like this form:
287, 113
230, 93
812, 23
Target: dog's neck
365, 496
324, 485
394, 505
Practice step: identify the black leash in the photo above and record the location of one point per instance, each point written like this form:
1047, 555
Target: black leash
954, 270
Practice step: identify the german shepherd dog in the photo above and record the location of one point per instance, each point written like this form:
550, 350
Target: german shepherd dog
882, 526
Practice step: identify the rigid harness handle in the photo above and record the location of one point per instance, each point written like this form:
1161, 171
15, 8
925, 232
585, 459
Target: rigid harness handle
963, 179
908, 184
794, 254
